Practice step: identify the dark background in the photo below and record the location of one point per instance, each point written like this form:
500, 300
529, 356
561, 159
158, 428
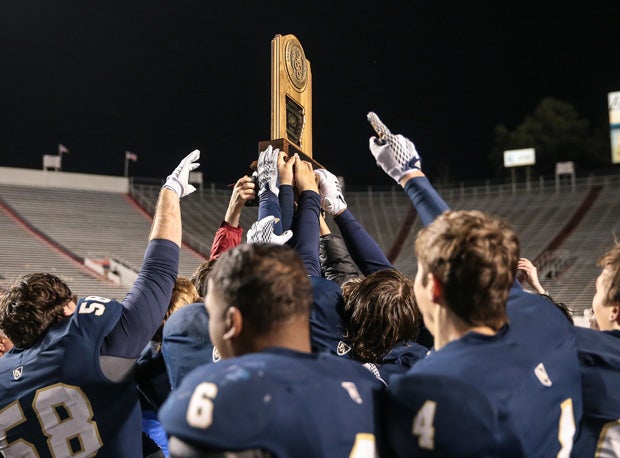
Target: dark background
162, 77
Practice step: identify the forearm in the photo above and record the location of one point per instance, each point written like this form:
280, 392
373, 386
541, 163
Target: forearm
268, 205
306, 231
167, 219
364, 250
427, 202
287, 206
147, 301
233, 214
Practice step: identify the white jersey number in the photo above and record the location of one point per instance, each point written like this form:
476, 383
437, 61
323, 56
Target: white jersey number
423, 425
609, 441
93, 304
200, 407
364, 446
200, 415
65, 416
566, 429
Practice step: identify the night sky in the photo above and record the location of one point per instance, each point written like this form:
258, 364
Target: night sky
160, 78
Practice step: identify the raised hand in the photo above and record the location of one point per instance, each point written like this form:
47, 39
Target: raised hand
285, 168
531, 274
305, 180
395, 154
243, 191
178, 180
332, 200
262, 232
267, 168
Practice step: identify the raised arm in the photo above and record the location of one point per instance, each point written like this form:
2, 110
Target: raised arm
268, 186
148, 299
364, 250
336, 262
229, 233
287, 195
398, 158
306, 230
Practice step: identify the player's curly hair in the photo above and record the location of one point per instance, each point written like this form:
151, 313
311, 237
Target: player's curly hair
474, 255
31, 305
611, 261
379, 312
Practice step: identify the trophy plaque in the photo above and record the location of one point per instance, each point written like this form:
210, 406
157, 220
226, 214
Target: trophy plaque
291, 99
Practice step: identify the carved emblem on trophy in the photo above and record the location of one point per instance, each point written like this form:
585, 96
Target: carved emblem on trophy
291, 99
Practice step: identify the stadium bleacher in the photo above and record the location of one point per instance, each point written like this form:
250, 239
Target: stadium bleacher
96, 223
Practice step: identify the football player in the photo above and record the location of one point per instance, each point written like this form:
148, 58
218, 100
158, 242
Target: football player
67, 386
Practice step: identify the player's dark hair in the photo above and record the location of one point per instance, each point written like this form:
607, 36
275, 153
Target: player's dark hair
33, 303
611, 260
379, 312
474, 256
268, 283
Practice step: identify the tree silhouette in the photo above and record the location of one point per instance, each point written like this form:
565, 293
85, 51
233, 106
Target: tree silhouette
558, 133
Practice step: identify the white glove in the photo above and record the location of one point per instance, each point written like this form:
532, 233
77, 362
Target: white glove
332, 200
267, 169
262, 232
395, 154
178, 181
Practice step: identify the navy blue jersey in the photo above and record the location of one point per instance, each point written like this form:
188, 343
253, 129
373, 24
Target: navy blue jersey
186, 342
56, 400
289, 403
400, 359
599, 355
152, 377
325, 326
397, 361
326, 332
516, 393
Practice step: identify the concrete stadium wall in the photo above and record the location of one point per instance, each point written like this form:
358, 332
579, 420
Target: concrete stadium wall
64, 180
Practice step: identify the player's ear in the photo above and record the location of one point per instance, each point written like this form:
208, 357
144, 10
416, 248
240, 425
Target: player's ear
436, 288
233, 322
614, 313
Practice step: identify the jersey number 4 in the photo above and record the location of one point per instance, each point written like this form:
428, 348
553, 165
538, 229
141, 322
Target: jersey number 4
65, 416
423, 427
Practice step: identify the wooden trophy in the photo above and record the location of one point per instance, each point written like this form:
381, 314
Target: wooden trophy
291, 99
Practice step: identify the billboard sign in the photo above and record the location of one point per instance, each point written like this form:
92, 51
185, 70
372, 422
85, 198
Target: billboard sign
614, 125
519, 157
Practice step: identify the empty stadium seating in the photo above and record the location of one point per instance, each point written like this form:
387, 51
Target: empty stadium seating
579, 223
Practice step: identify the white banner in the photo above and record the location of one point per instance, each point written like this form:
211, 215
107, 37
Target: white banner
519, 157
565, 168
51, 161
613, 99
614, 125
195, 177
615, 145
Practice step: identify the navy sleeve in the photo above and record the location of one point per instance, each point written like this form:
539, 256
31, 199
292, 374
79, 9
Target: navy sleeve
287, 205
306, 231
147, 301
364, 250
268, 205
426, 200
